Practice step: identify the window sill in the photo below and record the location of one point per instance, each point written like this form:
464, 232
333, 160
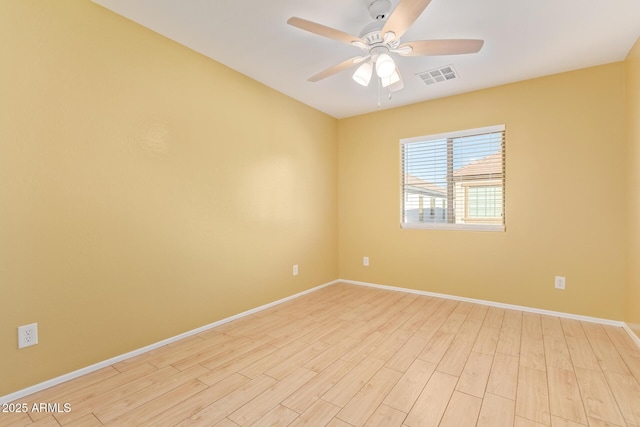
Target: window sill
461, 227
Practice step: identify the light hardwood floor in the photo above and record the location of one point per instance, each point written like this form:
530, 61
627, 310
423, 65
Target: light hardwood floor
349, 355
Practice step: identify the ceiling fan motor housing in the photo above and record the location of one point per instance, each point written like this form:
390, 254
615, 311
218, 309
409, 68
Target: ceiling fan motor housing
372, 36
379, 9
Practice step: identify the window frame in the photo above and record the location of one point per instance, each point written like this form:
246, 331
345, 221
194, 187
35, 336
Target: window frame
500, 226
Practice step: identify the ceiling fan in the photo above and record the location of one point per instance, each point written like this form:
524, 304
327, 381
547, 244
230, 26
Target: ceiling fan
381, 38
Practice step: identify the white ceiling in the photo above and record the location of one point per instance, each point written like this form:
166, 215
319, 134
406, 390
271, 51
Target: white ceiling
523, 39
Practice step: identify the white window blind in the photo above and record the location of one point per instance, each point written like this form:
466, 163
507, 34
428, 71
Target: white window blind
454, 180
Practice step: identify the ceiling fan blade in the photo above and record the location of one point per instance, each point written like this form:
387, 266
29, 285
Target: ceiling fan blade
344, 65
323, 30
403, 16
440, 47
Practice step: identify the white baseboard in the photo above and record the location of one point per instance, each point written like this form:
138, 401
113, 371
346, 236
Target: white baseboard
491, 303
632, 334
609, 322
83, 371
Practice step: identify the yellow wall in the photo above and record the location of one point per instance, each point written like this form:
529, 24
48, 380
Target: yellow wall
633, 130
145, 190
565, 197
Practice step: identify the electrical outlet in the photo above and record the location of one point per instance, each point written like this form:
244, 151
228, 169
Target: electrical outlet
295, 269
365, 261
27, 335
560, 282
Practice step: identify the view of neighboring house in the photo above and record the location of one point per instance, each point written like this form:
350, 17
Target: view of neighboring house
477, 189
424, 201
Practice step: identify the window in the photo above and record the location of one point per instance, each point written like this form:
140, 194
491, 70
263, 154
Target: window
454, 180
483, 202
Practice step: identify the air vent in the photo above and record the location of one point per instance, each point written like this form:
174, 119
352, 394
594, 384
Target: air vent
438, 75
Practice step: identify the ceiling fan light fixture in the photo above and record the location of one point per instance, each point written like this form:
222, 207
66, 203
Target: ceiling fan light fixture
385, 66
392, 79
398, 85
362, 76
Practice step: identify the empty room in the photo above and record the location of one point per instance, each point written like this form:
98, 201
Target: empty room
348, 213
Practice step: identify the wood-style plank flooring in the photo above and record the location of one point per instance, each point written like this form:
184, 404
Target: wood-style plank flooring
349, 355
